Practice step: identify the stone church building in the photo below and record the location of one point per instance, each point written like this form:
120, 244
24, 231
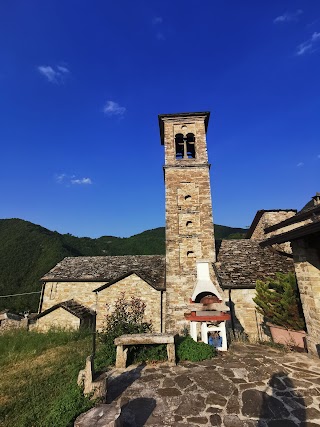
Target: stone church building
200, 283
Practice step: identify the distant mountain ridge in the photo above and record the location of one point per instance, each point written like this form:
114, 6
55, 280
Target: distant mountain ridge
28, 251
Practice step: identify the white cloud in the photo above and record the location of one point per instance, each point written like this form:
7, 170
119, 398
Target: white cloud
63, 69
81, 181
157, 20
113, 109
65, 179
288, 17
310, 45
53, 74
300, 164
60, 178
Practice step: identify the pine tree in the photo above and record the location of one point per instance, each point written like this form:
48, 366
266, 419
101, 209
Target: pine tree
278, 301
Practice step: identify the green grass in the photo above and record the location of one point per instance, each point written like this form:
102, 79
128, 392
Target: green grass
38, 386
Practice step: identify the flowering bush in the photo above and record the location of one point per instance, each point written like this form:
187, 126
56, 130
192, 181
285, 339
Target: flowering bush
126, 318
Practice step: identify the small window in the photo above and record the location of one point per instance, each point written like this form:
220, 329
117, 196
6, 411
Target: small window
179, 146
190, 254
189, 224
190, 146
187, 197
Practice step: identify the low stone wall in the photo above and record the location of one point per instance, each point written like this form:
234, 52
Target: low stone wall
93, 387
246, 319
8, 324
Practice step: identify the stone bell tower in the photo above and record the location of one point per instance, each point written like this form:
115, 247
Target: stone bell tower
189, 223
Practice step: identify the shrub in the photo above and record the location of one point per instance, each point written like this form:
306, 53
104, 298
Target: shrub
126, 318
278, 301
148, 353
188, 349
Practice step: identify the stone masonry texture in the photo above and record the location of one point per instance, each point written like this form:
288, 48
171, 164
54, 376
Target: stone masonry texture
103, 301
307, 268
249, 386
189, 223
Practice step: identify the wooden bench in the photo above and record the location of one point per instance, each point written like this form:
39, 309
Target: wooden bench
140, 339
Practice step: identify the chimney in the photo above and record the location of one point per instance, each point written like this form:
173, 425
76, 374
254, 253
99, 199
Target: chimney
316, 199
204, 283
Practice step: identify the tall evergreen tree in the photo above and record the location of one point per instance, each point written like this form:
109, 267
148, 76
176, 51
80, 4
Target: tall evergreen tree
278, 301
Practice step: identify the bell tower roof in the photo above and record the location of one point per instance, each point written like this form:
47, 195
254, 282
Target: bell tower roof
181, 116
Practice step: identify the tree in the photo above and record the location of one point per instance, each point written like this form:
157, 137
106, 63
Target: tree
278, 301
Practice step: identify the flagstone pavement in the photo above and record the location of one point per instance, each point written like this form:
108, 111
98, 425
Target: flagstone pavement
248, 386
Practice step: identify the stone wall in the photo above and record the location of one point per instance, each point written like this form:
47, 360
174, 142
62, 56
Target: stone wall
189, 223
59, 318
133, 286
246, 319
307, 266
267, 219
272, 218
8, 324
55, 292
82, 292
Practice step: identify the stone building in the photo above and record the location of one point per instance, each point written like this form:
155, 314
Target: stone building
303, 231
195, 268
78, 289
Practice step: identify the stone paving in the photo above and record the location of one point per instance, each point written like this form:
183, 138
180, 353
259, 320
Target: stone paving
249, 386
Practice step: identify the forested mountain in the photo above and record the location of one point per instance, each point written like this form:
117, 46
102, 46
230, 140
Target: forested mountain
28, 251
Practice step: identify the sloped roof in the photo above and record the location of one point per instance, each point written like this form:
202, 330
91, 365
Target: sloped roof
6, 314
72, 307
240, 263
150, 268
310, 212
311, 204
310, 230
258, 216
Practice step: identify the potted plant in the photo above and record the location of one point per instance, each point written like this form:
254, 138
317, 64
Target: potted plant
278, 301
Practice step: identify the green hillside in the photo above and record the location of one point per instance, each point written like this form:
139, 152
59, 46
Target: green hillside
28, 251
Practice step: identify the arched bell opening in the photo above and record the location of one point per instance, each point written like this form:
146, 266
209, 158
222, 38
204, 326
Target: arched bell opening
179, 143
190, 145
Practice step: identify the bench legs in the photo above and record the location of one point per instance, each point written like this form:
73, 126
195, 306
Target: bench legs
122, 354
121, 361
171, 351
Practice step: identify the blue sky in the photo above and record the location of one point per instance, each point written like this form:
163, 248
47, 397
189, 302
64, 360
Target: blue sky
82, 83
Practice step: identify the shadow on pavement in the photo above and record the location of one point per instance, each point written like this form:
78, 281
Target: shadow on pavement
277, 409
137, 411
118, 384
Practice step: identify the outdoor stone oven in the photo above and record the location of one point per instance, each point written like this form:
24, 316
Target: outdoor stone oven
207, 308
